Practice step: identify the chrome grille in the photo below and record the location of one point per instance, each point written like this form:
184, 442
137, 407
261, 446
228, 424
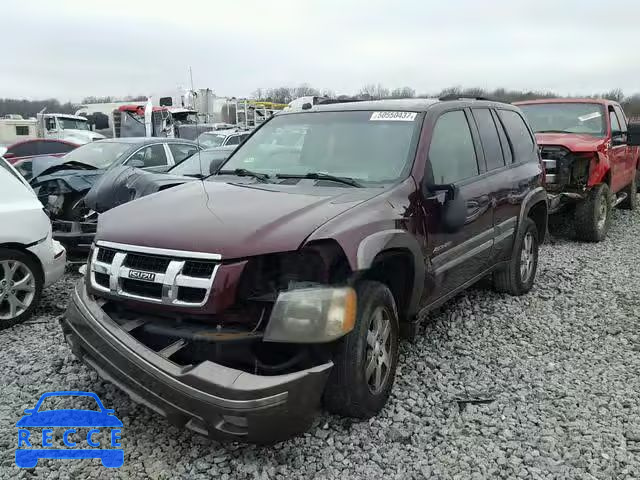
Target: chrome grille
154, 275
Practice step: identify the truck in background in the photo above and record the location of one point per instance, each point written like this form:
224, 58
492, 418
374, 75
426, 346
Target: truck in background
57, 126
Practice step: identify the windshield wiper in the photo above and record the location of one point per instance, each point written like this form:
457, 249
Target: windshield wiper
243, 172
553, 131
323, 176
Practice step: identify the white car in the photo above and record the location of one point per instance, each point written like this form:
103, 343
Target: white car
29, 257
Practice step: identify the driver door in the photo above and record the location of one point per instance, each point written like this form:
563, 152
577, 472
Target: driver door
455, 157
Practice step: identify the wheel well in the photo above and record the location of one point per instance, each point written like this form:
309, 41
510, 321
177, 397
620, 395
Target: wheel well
394, 268
538, 213
21, 248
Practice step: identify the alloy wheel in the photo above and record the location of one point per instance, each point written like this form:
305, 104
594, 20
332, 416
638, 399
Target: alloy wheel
527, 257
17, 288
378, 352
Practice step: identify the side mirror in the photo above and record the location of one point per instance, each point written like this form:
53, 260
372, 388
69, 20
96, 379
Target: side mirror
137, 163
454, 207
29, 411
633, 133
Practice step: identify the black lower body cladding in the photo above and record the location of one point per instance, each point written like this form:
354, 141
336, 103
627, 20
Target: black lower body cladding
211, 399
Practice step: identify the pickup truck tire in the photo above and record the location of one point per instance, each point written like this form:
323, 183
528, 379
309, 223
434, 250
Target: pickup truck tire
519, 274
21, 285
366, 358
631, 202
592, 217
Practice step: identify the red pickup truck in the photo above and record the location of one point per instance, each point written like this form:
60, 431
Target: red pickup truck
590, 163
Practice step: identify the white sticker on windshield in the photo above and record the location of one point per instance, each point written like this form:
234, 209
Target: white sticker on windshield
590, 116
394, 116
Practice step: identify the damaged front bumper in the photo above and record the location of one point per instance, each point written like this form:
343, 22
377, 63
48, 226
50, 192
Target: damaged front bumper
211, 399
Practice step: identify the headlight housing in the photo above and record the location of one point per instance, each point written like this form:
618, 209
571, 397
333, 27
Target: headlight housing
312, 315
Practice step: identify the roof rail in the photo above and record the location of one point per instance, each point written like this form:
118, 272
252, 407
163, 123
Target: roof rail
328, 101
455, 96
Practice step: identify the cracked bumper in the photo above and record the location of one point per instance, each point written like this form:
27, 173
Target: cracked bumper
211, 399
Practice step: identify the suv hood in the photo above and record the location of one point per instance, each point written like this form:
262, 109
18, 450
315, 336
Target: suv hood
575, 142
234, 220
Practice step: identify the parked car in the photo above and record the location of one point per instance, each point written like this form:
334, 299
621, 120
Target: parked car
234, 305
23, 154
30, 259
61, 184
589, 164
122, 184
222, 138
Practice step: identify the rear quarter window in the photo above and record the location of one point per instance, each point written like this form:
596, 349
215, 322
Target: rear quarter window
519, 135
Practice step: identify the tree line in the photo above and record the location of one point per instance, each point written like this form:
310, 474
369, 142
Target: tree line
373, 91
376, 91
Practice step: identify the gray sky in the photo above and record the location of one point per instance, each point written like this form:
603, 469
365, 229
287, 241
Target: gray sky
71, 49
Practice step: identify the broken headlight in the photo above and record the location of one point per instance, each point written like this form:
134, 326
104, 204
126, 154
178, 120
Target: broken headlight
312, 315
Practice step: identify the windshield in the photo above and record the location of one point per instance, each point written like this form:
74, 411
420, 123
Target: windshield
97, 154
201, 164
72, 123
586, 118
371, 147
208, 139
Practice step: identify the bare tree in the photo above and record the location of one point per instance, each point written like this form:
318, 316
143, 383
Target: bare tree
403, 92
374, 91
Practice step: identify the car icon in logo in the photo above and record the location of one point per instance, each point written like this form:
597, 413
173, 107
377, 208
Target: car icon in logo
97, 423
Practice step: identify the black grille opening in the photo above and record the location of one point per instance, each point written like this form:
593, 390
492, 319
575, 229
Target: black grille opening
198, 269
106, 255
102, 279
148, 263
143, 289
62, 227
191, 294
88, 227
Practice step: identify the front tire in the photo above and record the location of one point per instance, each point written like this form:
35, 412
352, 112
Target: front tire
20, 286
593, 215
518, 276
366, 358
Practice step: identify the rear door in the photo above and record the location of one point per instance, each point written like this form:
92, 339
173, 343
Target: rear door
455, 157
629, 153
620, 174
512, 182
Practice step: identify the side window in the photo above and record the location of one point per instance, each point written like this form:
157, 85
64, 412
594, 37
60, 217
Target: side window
518, 134
489, 138
613, 120
180, 151
233, 140
452, 154
151, 156
506, 148
622, 118
22, 130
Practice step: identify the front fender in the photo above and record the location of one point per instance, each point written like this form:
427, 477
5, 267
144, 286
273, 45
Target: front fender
373, 245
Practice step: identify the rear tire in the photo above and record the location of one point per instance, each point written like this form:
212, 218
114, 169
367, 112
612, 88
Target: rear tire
631, 202
593, 215
518, 276
366, 358
20, 286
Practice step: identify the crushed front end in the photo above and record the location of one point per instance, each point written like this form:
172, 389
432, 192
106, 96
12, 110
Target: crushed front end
236, 350
566, 175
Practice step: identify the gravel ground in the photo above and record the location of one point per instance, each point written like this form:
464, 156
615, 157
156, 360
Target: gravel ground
542, 386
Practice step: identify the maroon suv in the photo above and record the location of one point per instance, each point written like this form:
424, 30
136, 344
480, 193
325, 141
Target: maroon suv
235, 305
